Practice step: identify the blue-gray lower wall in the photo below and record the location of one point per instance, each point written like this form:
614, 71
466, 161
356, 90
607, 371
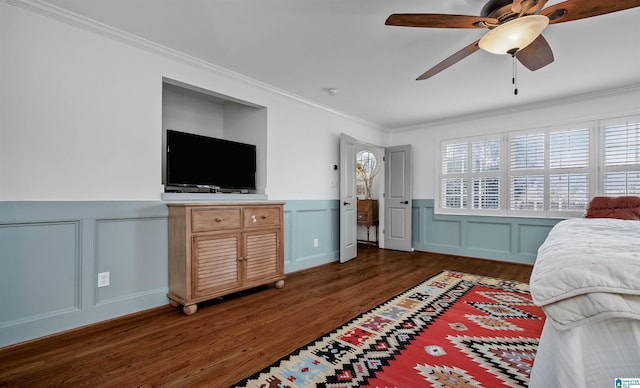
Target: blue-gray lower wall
514, 239
51, 253
305, 222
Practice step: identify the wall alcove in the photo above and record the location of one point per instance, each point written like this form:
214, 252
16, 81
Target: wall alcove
188, 108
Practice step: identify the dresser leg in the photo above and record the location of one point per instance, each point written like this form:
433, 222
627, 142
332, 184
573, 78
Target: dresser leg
190, 309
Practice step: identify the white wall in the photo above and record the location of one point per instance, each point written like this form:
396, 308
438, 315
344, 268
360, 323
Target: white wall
186, 111
248, 125
81, 117
425, 140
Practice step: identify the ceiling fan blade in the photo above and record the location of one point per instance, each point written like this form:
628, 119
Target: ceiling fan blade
516, 6
453, 59
436, 20
582, 9
536, 55
537, 7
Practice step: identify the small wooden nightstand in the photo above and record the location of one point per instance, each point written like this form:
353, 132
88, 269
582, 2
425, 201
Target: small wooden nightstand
368, 217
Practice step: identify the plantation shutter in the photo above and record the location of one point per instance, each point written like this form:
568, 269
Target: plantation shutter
568, 169
485, 169
551, 171
470, 174
526, 186
622, 158
454, 163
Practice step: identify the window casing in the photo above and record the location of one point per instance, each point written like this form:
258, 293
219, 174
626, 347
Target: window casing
547, 172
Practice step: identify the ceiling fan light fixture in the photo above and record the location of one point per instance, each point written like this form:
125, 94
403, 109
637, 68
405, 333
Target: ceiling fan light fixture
513, 35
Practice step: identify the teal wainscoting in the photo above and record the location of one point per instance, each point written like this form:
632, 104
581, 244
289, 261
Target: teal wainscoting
308, 223
51, 254
514, 239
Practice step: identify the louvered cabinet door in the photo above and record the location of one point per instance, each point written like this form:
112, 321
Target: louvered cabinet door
216, 263
261, 258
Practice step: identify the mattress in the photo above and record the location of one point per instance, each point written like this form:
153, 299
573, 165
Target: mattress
587, 280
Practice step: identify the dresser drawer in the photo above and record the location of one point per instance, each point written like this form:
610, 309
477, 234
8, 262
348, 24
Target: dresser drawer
261, 216
363, 216
215, 219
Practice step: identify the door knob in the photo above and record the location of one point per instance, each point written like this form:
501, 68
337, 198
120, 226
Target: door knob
405, 202
346, 203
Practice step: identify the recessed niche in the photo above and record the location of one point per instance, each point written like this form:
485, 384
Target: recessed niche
191, 109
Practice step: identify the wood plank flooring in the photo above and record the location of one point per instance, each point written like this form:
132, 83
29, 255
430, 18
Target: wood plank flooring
233, 337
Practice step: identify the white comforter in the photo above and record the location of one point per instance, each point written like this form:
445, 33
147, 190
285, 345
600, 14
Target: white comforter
588, 270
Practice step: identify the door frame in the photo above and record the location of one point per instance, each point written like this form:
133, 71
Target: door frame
347, 166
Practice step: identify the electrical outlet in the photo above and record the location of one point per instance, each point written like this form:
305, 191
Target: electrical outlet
103, 279
315, 242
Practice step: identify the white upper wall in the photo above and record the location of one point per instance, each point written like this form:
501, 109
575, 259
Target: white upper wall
186, 111
81, 117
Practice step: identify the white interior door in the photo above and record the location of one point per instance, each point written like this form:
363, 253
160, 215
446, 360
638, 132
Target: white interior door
398, 197
348, 198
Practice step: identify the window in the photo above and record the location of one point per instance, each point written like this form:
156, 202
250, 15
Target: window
454, 168
366, 170
622, 158
526, 182
569, 169
471, 174
549, 170
485, 174
366, 161
545, 172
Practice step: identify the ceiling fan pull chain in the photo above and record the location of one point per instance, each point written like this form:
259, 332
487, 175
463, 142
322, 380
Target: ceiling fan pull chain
514, 79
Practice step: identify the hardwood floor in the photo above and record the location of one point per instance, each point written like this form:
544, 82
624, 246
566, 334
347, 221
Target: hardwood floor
230, 338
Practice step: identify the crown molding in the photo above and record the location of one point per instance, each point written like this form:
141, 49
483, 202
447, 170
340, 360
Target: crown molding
592, 95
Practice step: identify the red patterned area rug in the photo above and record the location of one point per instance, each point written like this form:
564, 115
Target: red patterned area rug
452, 330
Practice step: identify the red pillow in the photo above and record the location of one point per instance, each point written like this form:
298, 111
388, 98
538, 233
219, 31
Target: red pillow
624, 208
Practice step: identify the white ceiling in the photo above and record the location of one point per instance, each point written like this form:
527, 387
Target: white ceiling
303, 47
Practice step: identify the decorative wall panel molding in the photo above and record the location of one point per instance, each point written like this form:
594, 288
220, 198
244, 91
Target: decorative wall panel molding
514, 239
51, 253
40, 271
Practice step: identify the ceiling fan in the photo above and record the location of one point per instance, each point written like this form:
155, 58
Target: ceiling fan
515, 27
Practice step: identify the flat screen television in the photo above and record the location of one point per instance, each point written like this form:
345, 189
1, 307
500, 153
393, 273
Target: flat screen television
196, 161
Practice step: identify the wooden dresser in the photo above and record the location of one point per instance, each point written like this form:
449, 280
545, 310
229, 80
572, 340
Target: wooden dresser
218, 249
367, 216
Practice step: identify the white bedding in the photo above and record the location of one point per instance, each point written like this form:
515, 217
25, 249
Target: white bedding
587, 280
588, 270
587, 356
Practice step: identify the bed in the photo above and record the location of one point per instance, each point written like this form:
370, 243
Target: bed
587, 280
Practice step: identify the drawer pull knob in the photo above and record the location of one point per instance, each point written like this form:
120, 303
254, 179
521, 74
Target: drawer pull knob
253, 219
218, 219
